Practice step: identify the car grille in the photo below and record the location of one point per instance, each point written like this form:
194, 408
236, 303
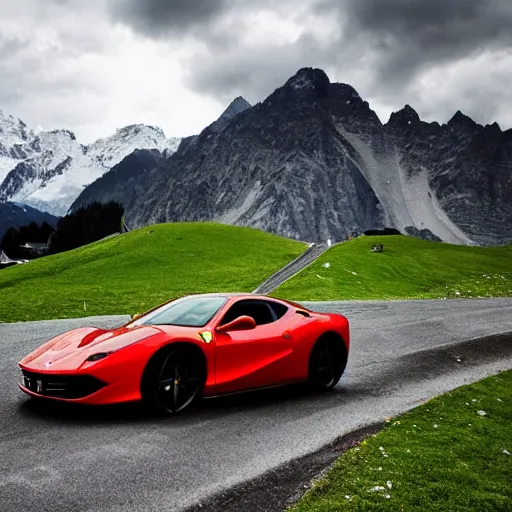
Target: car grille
61, 386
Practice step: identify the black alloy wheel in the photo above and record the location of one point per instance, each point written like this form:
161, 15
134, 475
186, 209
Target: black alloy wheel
327, 363
174, 380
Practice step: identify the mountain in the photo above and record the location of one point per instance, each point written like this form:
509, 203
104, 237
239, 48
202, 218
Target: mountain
237, 106
313, 161
15, 215
132, 171
129, 172
49, 169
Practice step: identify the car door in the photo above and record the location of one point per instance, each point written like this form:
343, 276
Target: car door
257, 357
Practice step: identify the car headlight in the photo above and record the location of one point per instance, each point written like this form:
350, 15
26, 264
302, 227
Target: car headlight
98, 357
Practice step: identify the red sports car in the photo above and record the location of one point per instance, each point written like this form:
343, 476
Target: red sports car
192, 347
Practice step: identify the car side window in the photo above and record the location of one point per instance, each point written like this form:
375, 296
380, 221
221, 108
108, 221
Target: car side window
259, 310
279, 309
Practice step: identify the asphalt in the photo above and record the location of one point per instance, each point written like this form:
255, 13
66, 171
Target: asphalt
121, 459
311, 254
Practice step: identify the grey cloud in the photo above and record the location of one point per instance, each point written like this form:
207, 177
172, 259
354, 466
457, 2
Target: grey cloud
381, 47
252, 72
165, 17
406, 36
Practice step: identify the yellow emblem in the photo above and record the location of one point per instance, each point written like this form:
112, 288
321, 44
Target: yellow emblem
207, 336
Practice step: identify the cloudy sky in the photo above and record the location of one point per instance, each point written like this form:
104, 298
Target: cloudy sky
92, 66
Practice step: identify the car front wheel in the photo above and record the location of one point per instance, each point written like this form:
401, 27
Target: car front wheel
173, 381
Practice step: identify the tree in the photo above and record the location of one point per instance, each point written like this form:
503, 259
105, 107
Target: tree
11, 243
86, 225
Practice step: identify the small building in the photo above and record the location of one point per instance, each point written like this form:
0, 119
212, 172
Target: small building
34, 249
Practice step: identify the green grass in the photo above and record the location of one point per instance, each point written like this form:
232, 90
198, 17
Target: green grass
462, 465
407, 269
136, 271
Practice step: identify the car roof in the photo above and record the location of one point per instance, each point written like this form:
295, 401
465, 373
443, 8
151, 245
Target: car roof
229, 295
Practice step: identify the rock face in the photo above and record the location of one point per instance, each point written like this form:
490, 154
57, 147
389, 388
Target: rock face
130, 172
49, 169
314, 162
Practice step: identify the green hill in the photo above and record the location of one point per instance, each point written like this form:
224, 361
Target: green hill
408, 268
133, 272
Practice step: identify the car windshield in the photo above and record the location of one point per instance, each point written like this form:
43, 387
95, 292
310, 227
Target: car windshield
187, 312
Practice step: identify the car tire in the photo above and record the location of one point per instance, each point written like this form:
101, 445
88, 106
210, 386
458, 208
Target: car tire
173, 380
327, 362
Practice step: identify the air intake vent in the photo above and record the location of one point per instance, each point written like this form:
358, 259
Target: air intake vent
61, 386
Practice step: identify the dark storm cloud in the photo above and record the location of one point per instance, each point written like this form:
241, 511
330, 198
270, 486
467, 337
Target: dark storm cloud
164, 17
253, 72
382, 47
405, 36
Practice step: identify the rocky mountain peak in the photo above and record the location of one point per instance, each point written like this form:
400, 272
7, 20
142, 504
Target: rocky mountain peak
238, 105
132, 130
13, 130
406, 115
461, 121
308, 78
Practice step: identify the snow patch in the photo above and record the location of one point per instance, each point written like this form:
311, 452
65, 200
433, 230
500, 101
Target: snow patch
62, 167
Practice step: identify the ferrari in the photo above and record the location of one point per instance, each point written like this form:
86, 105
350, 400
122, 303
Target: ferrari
192, 347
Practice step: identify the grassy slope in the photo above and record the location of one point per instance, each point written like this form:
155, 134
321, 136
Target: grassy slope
408, 268
442, 456
133, 272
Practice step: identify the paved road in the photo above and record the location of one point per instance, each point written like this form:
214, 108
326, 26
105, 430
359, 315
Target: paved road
312, 253
60, 459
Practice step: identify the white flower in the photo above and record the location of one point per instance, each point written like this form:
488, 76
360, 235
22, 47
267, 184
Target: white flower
506, 452
389, 484
381, 448
482, 413
377, 488
499, 399
347, 496
388, 496
436, 425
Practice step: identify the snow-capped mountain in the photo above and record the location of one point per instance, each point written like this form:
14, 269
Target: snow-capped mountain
314, 162
48, 170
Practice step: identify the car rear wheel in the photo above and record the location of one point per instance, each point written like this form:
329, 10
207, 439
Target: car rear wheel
327, 362
174, 380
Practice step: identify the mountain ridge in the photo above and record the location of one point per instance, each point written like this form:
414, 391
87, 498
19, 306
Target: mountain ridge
313, 162
48, 169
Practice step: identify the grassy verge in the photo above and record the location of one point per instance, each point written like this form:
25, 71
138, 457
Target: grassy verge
445, 455
136, 271
407, 269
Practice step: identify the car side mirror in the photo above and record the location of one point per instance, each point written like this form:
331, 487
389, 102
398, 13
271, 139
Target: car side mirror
242, 323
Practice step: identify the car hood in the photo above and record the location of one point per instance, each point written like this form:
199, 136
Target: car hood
69, 351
